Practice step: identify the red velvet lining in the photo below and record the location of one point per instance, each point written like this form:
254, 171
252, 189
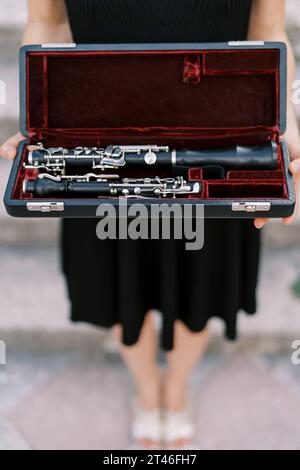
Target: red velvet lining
179, 138
184, 99
235, 62
245, 184
240, 189
96, 91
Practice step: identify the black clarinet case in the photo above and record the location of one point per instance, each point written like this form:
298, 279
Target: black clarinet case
184, 96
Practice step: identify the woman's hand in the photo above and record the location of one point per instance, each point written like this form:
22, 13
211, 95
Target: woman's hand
47, 23
292, 139
8, 150
267, 23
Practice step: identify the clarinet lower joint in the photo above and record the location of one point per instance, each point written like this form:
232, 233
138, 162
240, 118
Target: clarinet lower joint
47, 186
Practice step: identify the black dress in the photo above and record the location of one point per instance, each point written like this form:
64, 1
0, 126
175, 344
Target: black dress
117, 281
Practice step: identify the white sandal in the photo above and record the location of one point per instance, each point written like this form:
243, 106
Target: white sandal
145, 424
178, 425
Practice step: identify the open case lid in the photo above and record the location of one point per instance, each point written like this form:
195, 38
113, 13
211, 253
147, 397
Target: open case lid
185, 94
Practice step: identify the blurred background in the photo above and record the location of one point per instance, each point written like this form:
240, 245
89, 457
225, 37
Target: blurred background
64, 386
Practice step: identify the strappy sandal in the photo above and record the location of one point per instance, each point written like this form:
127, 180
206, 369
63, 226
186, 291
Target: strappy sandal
146, 424
178, 426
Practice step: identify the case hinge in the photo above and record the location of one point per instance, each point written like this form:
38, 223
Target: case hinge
45, 206
245, 43
251, 206
59, 44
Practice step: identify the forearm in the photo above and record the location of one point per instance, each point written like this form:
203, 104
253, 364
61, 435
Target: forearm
50, 12
47, 22
267, 23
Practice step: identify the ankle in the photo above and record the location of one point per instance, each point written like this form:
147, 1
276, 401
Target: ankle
149, 391
175, 392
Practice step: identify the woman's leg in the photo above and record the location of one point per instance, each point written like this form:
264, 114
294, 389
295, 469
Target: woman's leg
189, 347
140, 358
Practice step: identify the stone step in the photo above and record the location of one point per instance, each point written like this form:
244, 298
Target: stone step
10, 40
34, 306
45, 232
92, 339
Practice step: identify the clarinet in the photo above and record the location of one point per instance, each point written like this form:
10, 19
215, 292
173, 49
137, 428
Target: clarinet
91, 185
59, 160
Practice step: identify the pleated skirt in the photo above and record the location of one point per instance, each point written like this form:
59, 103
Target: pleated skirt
118, 281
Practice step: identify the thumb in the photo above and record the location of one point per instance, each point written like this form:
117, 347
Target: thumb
9, 148
295, 168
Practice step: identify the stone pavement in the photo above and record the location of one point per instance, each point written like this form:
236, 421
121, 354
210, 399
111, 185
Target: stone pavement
65, 387
81, 400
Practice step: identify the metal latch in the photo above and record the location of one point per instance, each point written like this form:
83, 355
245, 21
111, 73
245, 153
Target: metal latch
251, 206
245, 43
59, 44
45, 206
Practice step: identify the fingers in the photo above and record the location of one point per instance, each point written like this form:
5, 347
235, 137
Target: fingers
292, 218
9, 149
260, 222
295, 169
